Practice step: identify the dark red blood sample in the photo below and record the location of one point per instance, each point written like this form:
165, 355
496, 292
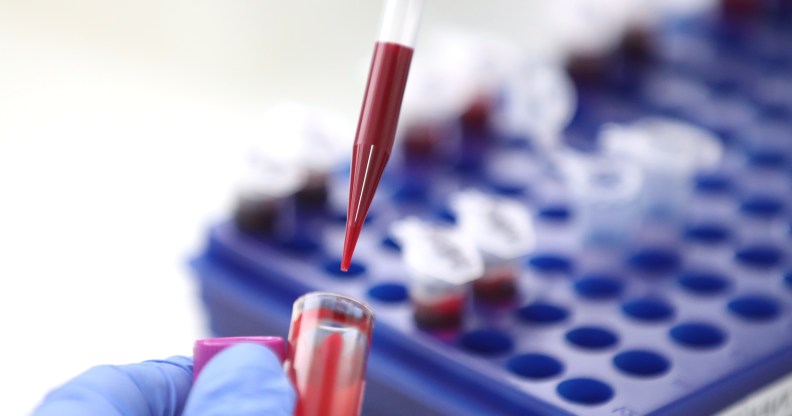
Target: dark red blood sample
637, 46
314, 194
741, 8
375, 132
256, 216
476, 117
445, 314
420, 142
497, 286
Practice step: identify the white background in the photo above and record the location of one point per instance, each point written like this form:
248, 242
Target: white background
121, 124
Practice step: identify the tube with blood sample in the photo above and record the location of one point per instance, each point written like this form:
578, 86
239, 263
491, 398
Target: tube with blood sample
502, 229
318, 138
329, 343
441, 263
669, 152
379, 113
263, 193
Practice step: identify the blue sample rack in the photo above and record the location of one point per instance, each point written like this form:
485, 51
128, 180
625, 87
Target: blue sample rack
684, 325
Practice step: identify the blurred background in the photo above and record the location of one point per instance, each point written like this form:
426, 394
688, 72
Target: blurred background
120, 127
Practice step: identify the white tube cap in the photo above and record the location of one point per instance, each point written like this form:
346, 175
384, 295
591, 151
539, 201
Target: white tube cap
500, 227
437, 252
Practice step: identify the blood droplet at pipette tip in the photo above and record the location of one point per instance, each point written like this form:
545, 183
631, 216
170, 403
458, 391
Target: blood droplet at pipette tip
379, 113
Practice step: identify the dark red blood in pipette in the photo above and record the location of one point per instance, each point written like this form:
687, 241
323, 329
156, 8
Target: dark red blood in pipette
376, 130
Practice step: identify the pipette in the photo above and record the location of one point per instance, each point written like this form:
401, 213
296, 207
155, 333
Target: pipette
379, 113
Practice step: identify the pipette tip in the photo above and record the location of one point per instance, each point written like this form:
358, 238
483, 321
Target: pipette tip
368, 163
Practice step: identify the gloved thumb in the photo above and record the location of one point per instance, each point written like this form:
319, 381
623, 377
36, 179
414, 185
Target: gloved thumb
245, 379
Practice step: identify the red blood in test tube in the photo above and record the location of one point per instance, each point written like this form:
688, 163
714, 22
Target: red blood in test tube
328, 351
444, 314
375, 133
498, 285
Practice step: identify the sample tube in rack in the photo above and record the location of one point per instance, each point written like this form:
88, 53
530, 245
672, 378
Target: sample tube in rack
606, 193
441, 263
263, 193
329, 341
669, 153
537, 102
318, 139
502, 229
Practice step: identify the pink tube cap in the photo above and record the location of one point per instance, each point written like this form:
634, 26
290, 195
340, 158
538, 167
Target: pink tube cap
205, 349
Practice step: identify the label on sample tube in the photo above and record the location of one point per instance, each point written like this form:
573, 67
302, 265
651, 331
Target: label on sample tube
438, 252
500, 227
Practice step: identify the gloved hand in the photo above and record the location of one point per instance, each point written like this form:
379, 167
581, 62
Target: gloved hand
245, 379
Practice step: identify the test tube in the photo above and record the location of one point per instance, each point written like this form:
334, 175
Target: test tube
318, 140
441, 263
502, 229
263, 193
537, 102
433, 99
329, 341
669, 153
606, 192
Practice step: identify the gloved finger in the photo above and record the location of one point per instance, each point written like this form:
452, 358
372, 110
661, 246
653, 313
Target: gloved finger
157, 387
245, 379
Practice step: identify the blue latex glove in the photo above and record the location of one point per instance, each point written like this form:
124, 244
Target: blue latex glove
245, 379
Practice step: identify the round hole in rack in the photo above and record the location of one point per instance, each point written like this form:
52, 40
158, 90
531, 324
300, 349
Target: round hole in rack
648, 309
592, 337
390, 243
698, 335
701, 282
713, 183
535, 366
767, 159
487, 342
586, 391
599, 286
760, 256
333, 267
654, 260
389, 292
411, 190
301, 244
707, 233
558, 213
755, 307
542, 313
642, 363
444, 214
762, 206
551, 263
506, 187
